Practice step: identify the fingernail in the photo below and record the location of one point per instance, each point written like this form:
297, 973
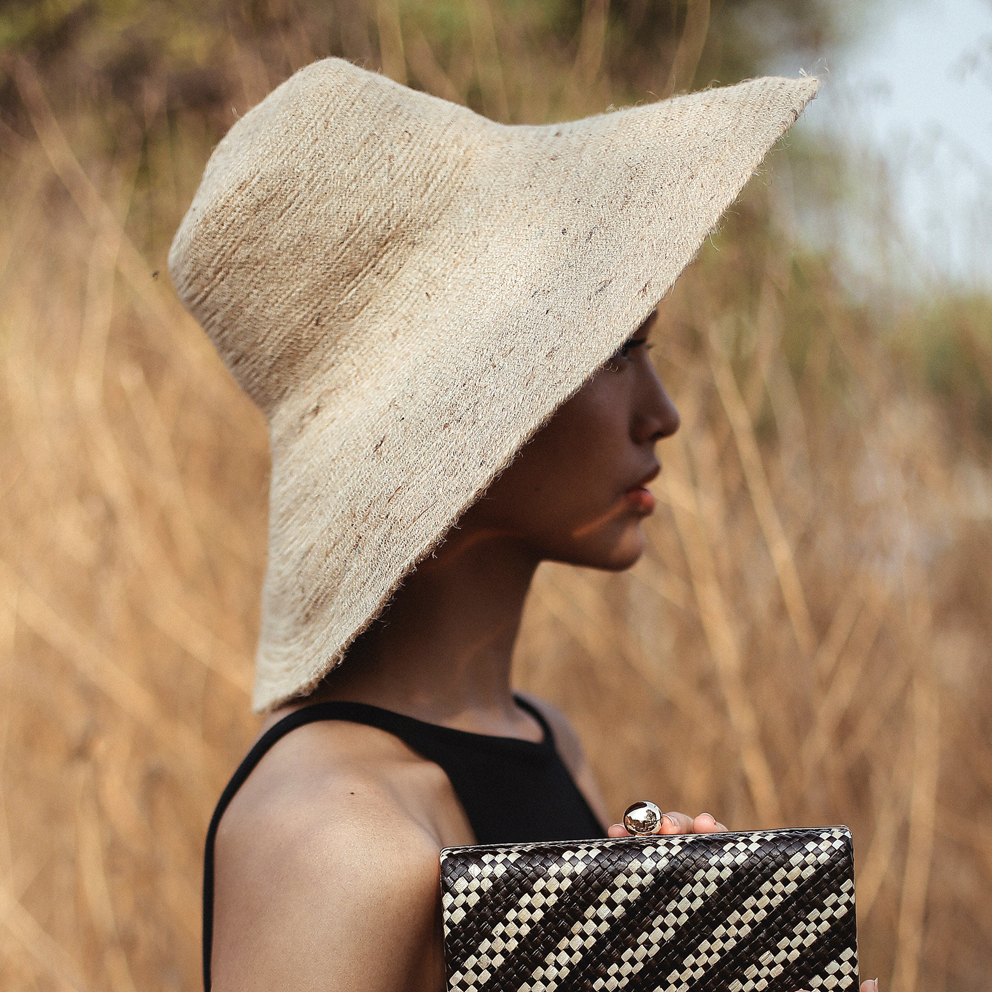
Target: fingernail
876, 984
671, 823
710, 816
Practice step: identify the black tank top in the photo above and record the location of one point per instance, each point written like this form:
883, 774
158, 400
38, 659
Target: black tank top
512, 790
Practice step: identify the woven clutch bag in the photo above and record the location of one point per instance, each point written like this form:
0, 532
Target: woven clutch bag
734, 912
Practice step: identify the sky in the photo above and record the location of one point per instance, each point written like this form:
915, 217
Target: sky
913, 89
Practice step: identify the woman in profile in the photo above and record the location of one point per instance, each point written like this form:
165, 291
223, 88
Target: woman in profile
446, 323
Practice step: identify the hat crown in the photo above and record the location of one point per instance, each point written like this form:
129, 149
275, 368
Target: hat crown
341, 175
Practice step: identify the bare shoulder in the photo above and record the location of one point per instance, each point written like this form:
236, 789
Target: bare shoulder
570, 748
327, 867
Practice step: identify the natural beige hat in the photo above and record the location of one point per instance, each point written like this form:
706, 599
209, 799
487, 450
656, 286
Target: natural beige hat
409, 291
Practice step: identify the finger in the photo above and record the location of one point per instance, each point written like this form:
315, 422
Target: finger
675, 823
706, 823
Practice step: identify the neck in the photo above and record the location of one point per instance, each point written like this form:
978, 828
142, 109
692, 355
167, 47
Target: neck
442, 651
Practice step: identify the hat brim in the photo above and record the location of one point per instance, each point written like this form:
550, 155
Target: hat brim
547, 248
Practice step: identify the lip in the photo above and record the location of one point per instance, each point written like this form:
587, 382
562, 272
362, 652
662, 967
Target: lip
646, 480
639, 497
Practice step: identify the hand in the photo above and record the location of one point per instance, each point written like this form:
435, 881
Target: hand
680, 823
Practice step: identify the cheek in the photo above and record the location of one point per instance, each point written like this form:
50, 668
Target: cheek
564, 491
573, 472
595, 414
568, 467
586, 447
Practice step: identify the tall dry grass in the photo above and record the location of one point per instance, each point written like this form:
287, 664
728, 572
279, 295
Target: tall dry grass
806, 641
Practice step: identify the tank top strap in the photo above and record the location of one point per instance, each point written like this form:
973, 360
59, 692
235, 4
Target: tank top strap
549, 735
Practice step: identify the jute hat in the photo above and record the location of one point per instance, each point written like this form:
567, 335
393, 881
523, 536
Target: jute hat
408, 291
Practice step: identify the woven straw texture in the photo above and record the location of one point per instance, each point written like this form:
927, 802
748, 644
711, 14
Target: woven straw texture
728, 912
409, 291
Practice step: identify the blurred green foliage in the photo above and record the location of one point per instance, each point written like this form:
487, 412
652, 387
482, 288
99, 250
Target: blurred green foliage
115, 50
946, 343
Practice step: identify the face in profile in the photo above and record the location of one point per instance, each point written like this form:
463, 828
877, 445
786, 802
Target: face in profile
577, 493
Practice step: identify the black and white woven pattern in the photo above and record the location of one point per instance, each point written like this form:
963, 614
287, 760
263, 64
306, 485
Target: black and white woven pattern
734, 912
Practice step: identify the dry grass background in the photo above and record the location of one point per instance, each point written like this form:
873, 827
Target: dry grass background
807, 640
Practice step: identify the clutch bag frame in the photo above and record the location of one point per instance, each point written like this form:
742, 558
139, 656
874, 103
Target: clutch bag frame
736, 911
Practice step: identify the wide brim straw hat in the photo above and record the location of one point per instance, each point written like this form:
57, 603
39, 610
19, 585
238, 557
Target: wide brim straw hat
409, 291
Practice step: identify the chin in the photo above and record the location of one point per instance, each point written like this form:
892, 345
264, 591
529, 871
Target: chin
616, 555
621, 562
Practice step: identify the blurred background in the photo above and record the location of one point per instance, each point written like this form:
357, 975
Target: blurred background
807, 640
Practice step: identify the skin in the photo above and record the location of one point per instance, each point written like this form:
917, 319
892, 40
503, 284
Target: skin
326, 872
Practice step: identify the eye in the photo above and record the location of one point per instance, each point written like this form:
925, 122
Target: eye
631, 343
625, 352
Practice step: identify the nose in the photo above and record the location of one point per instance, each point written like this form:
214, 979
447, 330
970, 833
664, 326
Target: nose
655, 416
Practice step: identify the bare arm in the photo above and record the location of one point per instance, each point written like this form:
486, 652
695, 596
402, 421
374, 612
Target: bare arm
326, 882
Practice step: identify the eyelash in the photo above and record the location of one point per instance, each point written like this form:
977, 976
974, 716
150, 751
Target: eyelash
623, 352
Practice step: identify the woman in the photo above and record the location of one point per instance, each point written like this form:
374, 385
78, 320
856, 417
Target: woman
446, 323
